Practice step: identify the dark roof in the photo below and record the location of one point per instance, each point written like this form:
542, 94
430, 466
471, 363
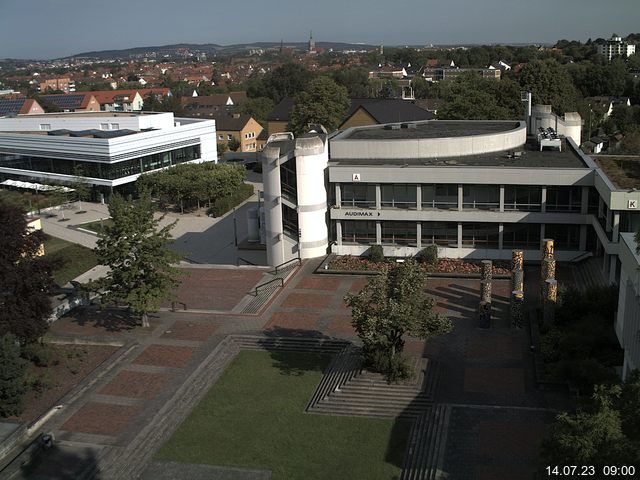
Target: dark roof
281, 111
436, 129
389, 110
91, 133
65, 102
230, 123
383, 110
10, 108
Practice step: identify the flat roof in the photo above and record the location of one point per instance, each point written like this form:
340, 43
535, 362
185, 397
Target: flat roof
623, 171
529, 156
431, 129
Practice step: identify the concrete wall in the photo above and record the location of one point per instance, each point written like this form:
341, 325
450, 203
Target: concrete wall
627, 323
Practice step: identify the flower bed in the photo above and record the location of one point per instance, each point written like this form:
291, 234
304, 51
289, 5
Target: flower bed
444, 265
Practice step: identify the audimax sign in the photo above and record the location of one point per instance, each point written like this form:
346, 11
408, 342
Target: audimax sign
360, 213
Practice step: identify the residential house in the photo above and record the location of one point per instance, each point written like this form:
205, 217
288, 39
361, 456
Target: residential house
74, 102
19, 106
212, 105
64, 84
243, 128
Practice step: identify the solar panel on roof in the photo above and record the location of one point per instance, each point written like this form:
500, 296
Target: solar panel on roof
65, 101
10, 107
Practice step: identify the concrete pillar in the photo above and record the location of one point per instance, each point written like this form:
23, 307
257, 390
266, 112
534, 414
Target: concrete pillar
419, 234
339, 232
583, 238
517, 260
543, 200
378, 197
502, 198
549, 298
516, 308
613, 259
609, 220
584, 201
485, 291
487, 270
378, 233
616, 226
418, 197
600, 206
517, 279
500, 236
459, 236
272, 206
547, 248
460, 196
484, 315
338, 196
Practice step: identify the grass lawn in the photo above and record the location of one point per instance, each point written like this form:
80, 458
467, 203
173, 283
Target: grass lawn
76, 259
96, 226
253, 418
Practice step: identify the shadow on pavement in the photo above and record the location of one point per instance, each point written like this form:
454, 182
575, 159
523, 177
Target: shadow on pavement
61, 463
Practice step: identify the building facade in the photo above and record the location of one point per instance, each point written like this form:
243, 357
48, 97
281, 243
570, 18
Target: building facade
111, 150
615, 47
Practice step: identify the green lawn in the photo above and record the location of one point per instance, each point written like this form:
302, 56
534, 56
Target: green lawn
253, 418
96, 226
76, 259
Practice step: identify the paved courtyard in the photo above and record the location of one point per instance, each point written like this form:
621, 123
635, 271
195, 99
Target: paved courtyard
498, 416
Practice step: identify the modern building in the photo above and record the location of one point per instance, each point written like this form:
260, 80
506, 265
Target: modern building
64, 84
628, 316
110, 149
615, 47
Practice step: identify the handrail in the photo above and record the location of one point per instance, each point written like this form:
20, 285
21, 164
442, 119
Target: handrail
286, 263
255, 290
245, 261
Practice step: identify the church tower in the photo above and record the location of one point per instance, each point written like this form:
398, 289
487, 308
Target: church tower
312, 44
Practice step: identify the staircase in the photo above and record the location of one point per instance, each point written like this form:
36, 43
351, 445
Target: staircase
348, 390
424, 457
256, 299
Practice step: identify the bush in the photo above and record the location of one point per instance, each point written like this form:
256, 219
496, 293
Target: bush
428, 255
224, 204
38, 383
376, 253
39, 354
12, 369
395, 369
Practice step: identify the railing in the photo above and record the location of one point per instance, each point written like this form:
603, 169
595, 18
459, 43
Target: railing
245, 261
257, 289
279, 267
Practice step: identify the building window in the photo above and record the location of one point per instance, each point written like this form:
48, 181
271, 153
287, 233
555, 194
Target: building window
115, 126
229, 137
288, 180
480, 235
290, 222
566, 237
220, 137
442, 197
45, 126
564, 199
399, 196
440, 233
399, 233
363, 232
521, 235
104, 126
522, 198
358, 195
481, 197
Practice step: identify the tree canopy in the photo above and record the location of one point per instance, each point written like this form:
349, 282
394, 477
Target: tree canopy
322, 102
389, 307
134, 247
26, 281
550, 84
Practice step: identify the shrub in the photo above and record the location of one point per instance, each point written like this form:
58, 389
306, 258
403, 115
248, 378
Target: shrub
12, 369
428, 255
376, 253
38, 383
39, 354
395, 368
224, 204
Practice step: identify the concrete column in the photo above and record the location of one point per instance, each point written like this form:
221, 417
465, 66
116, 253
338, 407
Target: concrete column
418, 197
501, 199
500, 236
583, 238
543, 200
338, 196
378, 197
612, 268
460, 196
616, 226
584, 201
378, 233
600, 206
339, 232
459, 236
419, 234
609, 221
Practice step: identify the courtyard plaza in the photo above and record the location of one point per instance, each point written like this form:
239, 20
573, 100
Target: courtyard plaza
140, 396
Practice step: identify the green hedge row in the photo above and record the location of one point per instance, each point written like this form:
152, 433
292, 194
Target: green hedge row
224, 204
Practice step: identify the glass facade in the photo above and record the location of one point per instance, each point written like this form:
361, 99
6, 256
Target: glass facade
440, 233
564, 199
358, 232
358, 195
399, 233
289, 180
481, 197
108, 171
443, 197
399, 195
480, 235
565, 237
522, 198
521, 235
290, 221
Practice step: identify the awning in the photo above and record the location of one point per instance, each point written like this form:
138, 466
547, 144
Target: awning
36, 186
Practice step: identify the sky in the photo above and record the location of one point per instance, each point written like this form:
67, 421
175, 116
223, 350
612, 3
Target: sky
44, 29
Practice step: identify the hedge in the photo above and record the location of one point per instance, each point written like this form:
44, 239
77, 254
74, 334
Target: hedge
224, 204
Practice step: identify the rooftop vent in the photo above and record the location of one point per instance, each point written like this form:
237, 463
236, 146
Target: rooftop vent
408, 125
393, 126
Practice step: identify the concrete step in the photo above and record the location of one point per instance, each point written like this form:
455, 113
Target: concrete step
367, 410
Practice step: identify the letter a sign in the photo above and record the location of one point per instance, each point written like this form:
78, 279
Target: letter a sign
355, 177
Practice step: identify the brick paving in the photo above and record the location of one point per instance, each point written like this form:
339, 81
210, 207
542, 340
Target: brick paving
165, 356
100, 418
487, 367
128, 383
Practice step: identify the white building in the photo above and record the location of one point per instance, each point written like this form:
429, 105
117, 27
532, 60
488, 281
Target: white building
615, 47
628, 318
111, 149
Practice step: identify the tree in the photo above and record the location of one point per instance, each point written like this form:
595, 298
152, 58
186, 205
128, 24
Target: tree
550, 84
259, 108
12, 370
233, 144
355, 80
389, 307
26, 282
322, 102
135, 249
80, 185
